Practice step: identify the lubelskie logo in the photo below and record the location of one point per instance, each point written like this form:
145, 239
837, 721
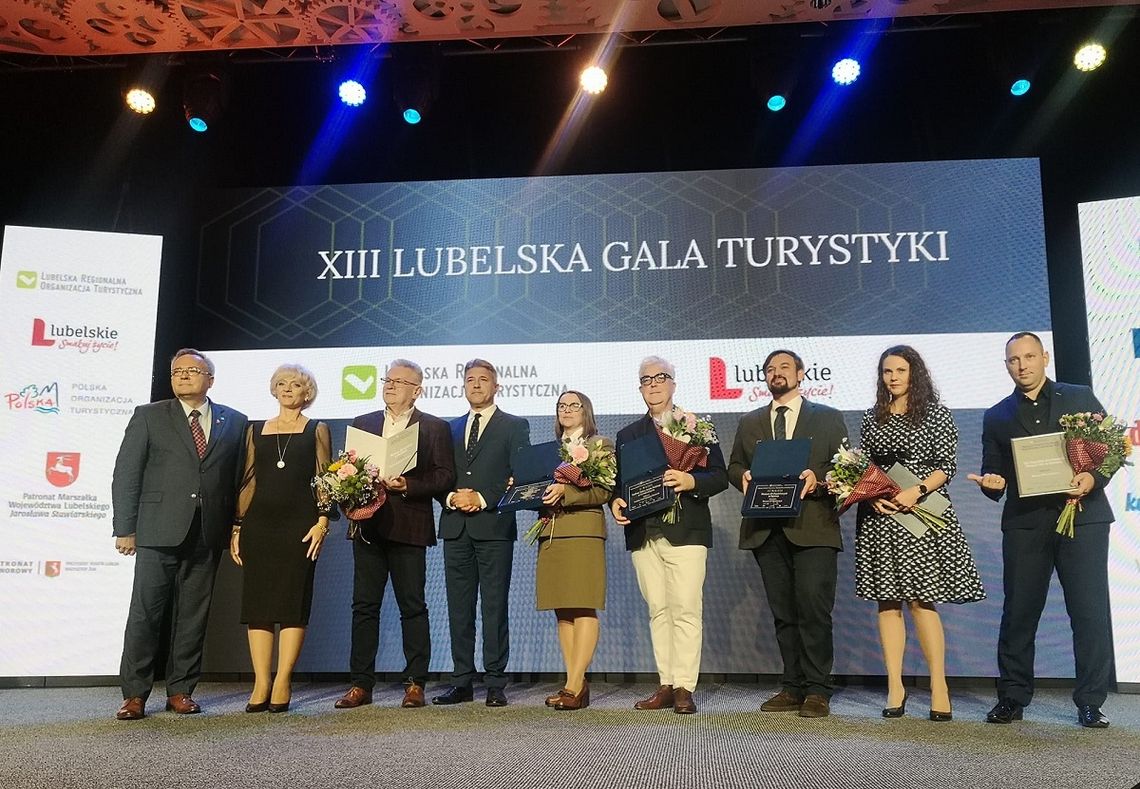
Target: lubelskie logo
41, 399
1131, 503
61, 468
79, 337
727, 382
53, 568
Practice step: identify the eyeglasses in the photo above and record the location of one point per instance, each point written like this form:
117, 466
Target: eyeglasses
400, 381
660, 378
570, 407
193, 372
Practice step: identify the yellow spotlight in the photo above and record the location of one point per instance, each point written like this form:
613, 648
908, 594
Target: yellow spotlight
593, 80
141, 101
1090, 56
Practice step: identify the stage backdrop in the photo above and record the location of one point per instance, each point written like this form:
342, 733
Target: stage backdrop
79, 309
1110, 242
570, 281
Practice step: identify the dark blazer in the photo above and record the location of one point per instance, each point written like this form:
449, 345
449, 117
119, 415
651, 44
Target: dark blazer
487, 473
159, 481
818, 521
694, 525
1000, 424
407, 517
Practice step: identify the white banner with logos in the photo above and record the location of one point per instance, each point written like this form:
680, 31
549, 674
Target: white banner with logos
1110, 246
80, 309
713, 376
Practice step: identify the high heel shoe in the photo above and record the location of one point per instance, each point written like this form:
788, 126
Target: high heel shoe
283, 707
899, 711
941, 717
562, 694
260, 706
577, 701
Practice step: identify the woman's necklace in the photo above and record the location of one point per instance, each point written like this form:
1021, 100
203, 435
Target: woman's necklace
281, 451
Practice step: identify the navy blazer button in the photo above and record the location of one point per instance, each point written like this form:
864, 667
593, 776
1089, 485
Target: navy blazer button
193, 495
469, 473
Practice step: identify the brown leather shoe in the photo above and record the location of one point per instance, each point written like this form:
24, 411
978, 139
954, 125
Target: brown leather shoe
356, 697
413, 696
661, 699
815, 706
784, 701
575, 701
683, 703
552, 700
133, 709
182, 704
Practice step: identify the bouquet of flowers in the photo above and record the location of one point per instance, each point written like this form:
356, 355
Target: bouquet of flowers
1093, 442
855, 478
686, 438
354, 484
584, 463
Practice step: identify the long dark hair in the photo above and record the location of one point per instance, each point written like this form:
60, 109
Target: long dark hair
589, 423
921, 395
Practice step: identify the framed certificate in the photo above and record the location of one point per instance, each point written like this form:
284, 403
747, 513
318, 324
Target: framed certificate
776, 488
1041, 465
643, 465
533, 469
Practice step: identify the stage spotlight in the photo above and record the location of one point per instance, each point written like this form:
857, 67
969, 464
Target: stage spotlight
1090, 57
412, 116
352, 93
140, 100
593, 80
777, 103
1019, 87
202, 100
845, 71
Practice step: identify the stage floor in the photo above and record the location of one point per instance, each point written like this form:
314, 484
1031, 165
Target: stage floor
67, 737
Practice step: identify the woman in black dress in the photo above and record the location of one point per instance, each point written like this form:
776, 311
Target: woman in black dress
278, 532
909, 426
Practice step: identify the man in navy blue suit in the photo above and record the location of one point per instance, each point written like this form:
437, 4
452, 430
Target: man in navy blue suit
478, 540
1032, 548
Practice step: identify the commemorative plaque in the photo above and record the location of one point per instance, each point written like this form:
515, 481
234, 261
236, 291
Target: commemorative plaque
776, 488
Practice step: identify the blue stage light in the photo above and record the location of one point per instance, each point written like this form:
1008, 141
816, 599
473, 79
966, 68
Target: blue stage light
352, 93
845, 71
1019, 87
777, 103
197, 124
412, 116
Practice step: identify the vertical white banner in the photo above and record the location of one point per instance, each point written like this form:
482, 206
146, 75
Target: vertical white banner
80, 310
1110, 246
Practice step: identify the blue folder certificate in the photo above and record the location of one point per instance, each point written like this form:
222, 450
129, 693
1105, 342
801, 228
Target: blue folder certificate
643, 465
533, 469
776, 488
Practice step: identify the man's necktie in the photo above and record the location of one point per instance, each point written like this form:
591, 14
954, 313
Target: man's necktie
780, 429
198, 433
473, 437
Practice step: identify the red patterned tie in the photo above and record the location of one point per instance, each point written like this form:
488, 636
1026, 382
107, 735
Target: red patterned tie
198, 433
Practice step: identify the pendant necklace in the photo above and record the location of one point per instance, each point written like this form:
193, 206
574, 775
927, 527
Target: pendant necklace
281, 451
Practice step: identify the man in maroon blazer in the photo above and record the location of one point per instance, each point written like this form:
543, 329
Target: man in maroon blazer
394, 541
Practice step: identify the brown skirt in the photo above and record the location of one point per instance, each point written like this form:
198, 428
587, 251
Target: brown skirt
571, 573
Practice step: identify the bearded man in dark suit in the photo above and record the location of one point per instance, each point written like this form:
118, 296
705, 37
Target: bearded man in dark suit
394, 541
173, 495
797, 556
1032, 548
478, 540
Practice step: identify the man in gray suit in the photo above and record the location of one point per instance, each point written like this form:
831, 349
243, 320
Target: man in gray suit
797, 556
173, 491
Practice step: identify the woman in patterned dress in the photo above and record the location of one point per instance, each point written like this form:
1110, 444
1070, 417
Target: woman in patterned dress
908, 425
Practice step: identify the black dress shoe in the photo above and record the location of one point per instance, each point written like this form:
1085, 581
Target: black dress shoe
454, 695
1005, 711
896, 712
260, 706
941, 717
275, 708
1090, 716
496, 697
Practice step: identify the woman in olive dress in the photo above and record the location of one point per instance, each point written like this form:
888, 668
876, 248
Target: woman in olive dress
278, 532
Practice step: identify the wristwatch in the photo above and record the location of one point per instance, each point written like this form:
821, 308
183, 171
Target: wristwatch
923, 489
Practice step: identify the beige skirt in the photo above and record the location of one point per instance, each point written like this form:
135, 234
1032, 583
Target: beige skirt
571, 573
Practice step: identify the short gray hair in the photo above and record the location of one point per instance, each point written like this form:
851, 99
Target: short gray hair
415, 368
297, 371
656, 361
193, 352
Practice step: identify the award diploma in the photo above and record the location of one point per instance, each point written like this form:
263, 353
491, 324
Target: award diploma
1041, 465
643, 465
394, 455
533, 470
775, 490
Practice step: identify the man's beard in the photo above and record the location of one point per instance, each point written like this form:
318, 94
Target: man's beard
782, 388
